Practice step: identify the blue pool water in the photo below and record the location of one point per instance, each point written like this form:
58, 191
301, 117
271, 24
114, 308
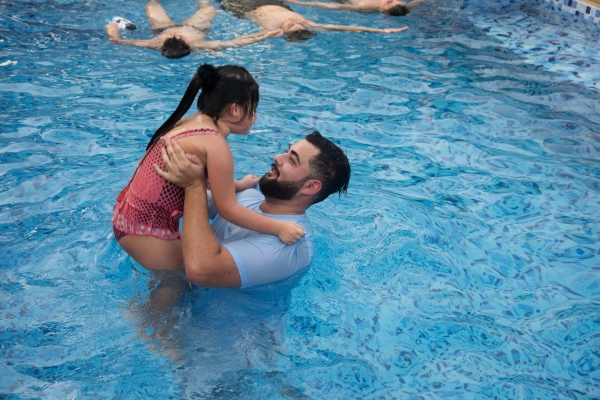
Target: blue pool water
464, 262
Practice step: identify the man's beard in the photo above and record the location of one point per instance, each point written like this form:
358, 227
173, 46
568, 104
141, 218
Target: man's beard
278, 189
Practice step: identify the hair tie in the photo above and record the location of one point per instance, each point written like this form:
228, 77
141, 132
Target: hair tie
209, 76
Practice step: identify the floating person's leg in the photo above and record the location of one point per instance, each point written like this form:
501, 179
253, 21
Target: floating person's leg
202, 19
157, 16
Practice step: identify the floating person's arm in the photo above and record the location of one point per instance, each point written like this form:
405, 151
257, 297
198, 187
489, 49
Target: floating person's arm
331, 6
112, 29
351, 28
243, 40
414, 3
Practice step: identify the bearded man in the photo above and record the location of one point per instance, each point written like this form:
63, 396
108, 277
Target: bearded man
226, 255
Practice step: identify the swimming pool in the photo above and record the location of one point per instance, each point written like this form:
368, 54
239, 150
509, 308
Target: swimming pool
462, 264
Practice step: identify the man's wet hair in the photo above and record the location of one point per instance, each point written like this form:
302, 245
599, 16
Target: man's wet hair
330, 167
397, 11
175, 48
298, 36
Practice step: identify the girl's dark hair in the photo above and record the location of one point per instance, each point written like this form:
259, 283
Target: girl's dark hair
221, 86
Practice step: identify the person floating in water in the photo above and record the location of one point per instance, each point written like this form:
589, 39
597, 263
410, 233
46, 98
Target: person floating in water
393, 8
178, 40
295, 27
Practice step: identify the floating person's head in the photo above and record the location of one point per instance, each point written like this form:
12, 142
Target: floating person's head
295, 31
394, 8
175, 47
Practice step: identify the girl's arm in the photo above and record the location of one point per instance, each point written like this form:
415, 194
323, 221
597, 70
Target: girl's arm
219, 164
249, 181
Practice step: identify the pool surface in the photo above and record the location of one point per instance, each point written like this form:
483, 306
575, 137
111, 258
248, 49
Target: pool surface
464, 262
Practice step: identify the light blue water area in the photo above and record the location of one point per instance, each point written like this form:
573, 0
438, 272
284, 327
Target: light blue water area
464, 262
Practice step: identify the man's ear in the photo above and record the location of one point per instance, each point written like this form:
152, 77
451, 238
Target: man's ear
311, 187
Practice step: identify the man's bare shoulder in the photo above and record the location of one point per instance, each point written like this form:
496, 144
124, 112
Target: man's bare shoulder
272, 10
414, 3
180, 31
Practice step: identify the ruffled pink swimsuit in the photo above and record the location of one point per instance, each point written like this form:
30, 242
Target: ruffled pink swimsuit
149, 205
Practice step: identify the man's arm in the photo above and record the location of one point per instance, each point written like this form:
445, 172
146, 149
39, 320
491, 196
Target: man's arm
206, 262
333, 6
414, 3
351, 28
239, 41
113, 35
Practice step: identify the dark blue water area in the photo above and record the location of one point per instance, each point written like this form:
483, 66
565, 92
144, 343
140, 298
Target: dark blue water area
464, 262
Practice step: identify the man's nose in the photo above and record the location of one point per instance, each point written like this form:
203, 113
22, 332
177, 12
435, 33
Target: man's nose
279, 158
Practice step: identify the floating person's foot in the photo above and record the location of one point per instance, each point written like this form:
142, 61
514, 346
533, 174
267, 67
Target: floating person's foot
123, 23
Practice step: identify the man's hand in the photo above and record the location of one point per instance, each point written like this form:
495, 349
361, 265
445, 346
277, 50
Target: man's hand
394, 30
112, 29
183, 170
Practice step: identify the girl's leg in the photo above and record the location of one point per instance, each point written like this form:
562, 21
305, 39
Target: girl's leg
202, 19
157, 16
154, 253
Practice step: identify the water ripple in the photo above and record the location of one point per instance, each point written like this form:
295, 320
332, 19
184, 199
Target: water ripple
462, 264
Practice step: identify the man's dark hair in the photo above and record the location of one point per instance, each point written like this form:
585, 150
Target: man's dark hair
397, 11
330, 167
175, 48
298, 36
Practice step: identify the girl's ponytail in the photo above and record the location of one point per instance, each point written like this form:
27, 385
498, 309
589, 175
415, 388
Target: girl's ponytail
206, 78
209, 75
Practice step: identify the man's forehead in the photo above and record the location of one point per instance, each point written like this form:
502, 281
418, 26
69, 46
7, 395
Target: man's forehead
304, 149
304, 146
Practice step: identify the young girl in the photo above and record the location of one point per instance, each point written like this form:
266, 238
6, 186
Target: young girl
146, 216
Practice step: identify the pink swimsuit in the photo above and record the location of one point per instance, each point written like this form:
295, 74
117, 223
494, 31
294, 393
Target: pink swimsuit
149, 205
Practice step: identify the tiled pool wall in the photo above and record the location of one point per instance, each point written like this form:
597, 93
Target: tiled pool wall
570, 10
580, 11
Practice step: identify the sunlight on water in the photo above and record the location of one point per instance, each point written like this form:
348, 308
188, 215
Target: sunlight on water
464, 263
